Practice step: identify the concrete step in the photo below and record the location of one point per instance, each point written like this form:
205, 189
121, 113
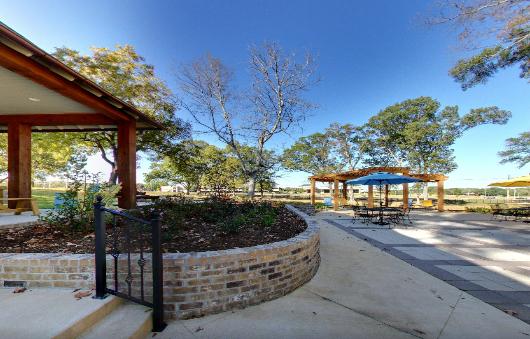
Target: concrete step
129, 321
50, 313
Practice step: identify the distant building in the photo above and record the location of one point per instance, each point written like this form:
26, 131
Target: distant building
177, 188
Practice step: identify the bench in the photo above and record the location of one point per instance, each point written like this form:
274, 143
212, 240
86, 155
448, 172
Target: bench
21, 206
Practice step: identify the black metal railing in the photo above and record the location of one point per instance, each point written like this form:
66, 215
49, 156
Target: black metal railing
122, 241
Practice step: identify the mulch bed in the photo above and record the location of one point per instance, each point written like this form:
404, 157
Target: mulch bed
193, 236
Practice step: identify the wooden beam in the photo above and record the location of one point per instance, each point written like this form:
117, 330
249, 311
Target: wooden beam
441, 195
370, 196
18, 162
405, 196
31, 69
57, 119
336, 195
386, 195
127, 164
312, 192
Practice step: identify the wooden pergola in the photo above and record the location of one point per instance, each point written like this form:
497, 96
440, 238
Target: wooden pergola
337, 178
40, 94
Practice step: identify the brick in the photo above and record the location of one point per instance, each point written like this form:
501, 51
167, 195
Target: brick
267, 271
256, 266
189, 306
235, 284
236, 270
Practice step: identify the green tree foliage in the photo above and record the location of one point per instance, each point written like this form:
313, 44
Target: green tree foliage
312, 154
419, 134
498, 29
517, 150
198, 165
124, 73
339, 148
49, 153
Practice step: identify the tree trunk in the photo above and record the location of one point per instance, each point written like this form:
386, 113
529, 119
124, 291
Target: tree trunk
113, 178
251, 187
426, 192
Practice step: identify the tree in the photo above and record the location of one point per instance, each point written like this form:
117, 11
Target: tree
312, 154
418, 134
49, 153
505, 22
123, 73
517, 150
273, 104
349, 143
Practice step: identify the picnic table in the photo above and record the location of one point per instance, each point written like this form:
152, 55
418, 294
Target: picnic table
381, 215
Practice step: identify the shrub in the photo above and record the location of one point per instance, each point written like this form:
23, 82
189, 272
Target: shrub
76, 212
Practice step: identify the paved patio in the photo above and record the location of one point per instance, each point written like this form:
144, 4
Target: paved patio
360, 291
486, 258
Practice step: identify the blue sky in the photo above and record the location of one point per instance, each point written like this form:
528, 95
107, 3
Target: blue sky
370, 55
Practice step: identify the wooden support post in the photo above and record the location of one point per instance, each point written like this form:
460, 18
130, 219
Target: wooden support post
312, 192
18, 162
441, 195
335, 195
405, 196
345, 192
370, 196
127, 164
386, 195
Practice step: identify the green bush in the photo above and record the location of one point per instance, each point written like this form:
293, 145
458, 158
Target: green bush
76, 212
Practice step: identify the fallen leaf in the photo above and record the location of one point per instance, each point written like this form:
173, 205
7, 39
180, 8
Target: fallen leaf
19, 290
510, 312
199, 329
82, 294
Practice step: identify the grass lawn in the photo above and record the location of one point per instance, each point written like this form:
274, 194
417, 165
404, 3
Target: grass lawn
45, 196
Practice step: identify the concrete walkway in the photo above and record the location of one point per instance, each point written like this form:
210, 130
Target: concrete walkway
360, 291
486, 258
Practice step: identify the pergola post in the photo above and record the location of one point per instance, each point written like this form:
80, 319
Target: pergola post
405, 196
386, 195
441, 195
18, 162
127, 164
335, 195
312, 191
345, 191
370, 196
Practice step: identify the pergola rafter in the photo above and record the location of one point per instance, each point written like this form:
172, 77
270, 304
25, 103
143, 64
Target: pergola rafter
342, 177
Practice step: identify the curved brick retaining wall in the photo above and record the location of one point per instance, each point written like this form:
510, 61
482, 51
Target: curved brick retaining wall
195, 284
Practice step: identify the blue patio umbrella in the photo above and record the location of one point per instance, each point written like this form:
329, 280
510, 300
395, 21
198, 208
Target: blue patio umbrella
381, 178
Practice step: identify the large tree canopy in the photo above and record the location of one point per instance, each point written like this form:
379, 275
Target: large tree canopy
50, 153
517, 150
339, 148
496, 32
419, 133
124, 73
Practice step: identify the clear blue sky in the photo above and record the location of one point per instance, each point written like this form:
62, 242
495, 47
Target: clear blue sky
371, 54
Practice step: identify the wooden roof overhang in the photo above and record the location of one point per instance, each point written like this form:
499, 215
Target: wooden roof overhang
100, 109
354, 174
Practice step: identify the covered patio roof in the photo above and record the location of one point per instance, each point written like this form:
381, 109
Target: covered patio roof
38, 93
342, 177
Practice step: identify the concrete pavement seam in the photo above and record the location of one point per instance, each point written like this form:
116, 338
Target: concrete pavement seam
450, 315
403, 330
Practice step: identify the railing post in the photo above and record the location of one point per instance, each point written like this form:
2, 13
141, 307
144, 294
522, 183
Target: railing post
101, 260
158, 291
